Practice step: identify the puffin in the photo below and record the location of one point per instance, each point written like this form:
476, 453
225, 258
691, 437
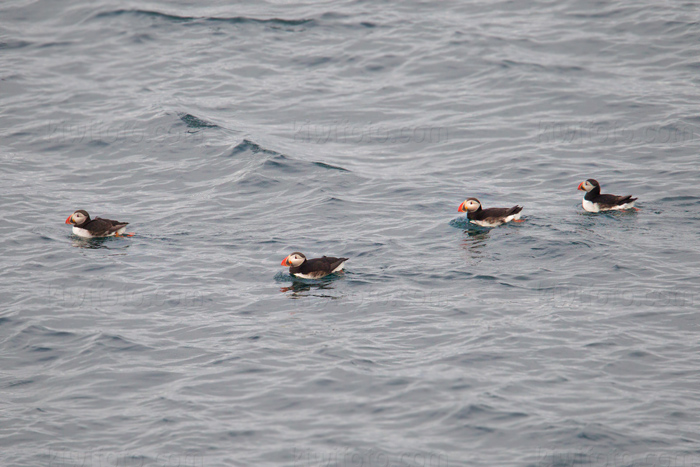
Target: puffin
593, 201
491, 217
85, 227
315, 268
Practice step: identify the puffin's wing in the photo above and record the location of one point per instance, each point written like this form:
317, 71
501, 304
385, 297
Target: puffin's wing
335, 262
319, 267
316, 265
495, 214
609, 201
102, 227
514, 210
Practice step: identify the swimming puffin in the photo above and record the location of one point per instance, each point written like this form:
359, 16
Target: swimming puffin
593, 201
315, 268
491, 217
85, 227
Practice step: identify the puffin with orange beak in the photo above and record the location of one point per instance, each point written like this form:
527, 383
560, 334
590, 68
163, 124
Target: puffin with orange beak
491, 217
593, 201
85, 227
315, 268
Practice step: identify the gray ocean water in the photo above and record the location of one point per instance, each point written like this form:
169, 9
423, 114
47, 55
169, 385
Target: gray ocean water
234, 133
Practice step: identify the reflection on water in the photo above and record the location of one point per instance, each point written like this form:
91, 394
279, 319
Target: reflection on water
97, 243
300, 287
475, 241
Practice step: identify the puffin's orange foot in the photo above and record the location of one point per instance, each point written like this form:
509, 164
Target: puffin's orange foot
519, 220
637, 209
127, 234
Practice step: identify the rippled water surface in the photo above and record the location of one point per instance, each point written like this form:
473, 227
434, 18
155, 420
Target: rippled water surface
233, 133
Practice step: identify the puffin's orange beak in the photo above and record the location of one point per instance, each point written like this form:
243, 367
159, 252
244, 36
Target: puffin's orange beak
285, 261
580, 186
461, 208
69, 220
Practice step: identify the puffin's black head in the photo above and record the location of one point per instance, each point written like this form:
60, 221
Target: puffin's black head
78, 218
588, 185
296, 259
470, 205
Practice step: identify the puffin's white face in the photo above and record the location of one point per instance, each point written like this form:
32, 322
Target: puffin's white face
295, 259
469, 205
586, 186
77, 218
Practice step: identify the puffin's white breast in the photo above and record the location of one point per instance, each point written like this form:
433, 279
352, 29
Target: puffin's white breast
589, 206
81, 232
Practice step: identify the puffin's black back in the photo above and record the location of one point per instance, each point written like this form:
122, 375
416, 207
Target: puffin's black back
317, 265
99, 226
493, 213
